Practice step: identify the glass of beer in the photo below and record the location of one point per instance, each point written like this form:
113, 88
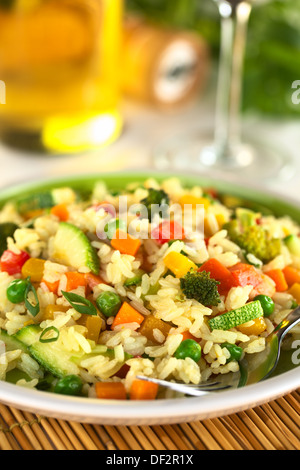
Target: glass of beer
59, 64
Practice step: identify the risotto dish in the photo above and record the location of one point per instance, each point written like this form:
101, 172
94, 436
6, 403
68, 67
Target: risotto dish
156, 280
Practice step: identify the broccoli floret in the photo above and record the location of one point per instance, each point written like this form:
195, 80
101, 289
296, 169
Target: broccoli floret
199, 286
254, 239
156, 202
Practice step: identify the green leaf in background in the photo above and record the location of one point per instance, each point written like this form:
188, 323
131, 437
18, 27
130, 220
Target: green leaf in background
273, 46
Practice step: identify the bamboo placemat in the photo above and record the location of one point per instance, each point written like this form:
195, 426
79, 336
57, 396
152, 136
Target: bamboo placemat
272, 426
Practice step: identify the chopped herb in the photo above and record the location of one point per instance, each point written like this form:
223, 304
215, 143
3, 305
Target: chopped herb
80, 304
53, 338
33, 309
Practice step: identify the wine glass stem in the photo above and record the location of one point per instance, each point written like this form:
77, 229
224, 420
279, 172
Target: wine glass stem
234, 23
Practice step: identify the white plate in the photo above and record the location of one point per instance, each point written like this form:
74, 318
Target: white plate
151, 412
148, 412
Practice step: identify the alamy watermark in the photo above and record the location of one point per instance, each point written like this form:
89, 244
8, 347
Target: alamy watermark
2, 92
160, 222
296, 93
296, 353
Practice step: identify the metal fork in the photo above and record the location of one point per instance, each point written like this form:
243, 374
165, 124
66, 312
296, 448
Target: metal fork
253, 367
191, 389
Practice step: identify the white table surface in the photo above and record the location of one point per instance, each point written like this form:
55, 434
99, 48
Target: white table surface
144, 128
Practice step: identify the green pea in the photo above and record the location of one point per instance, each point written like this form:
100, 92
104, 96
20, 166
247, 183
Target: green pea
235, 351
109, 303
16, 291
69, 385
267, 304
113, 225
188, 348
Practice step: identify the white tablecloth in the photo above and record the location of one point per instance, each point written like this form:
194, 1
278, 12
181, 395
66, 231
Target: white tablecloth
144, 128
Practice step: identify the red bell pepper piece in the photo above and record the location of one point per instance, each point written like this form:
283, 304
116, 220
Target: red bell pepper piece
247, 275
167, 231
121, 374
220, 273
12, 263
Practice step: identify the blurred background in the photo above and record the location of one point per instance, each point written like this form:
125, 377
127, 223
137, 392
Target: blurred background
94, 85
272, 52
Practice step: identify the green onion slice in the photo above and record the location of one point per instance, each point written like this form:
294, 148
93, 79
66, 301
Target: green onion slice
33, 309
80, 304
49, 340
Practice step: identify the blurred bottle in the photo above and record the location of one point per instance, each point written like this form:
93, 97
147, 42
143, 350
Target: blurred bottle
58, 60
164, 68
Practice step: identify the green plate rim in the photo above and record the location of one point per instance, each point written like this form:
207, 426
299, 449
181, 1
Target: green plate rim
280, 205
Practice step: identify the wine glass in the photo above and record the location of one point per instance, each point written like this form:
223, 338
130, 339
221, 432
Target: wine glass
228, 152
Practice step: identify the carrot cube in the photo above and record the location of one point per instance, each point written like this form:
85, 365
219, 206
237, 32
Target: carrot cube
127, 314
141, 390
110, 390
